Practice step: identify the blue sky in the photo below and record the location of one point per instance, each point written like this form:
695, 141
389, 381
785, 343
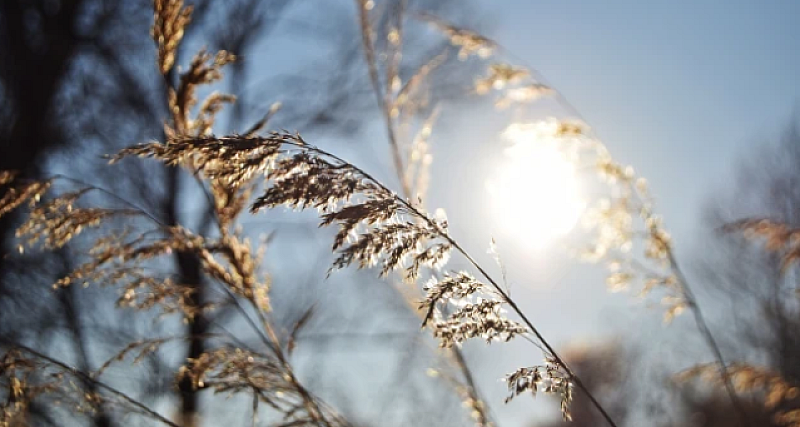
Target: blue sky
682, 90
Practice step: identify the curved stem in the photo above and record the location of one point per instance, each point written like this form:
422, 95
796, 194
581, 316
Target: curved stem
472, 390
89, 378
444, 235
270, 339
385, 104
700, 322
112, 195
705, 331
369, 54
572, 377
688, 294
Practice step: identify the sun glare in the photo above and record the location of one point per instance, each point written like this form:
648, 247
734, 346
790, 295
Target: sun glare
535, 193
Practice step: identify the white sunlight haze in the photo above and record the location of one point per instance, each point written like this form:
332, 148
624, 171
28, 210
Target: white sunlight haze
535, 196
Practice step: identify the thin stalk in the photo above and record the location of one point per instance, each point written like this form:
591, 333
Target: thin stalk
136, 208
255, 409
702, 326
272, 342
472, 388
89, 378
383, 104
705, 331
572, 377
444, 235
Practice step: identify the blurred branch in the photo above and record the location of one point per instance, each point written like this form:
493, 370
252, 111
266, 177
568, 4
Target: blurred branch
383, 103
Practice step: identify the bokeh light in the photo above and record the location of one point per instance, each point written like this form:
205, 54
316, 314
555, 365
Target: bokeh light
535, 193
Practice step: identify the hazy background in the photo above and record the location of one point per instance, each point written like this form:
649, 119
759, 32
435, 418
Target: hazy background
685, 91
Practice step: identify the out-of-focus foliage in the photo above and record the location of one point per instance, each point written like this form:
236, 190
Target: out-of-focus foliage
749, 263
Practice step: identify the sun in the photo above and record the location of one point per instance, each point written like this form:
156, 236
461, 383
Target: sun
535, 194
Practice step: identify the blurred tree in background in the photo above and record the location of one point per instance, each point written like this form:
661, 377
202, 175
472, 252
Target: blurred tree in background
78, 81
755, 291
